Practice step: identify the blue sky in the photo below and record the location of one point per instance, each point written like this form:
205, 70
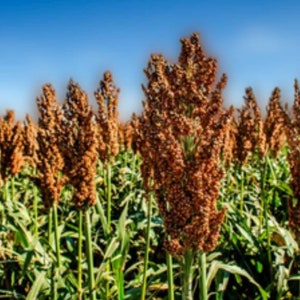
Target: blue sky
256, 43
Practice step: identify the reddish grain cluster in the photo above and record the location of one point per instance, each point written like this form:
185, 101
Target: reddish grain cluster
11, 145
50, 159
107, 97
79, 145
251, 134
180, 136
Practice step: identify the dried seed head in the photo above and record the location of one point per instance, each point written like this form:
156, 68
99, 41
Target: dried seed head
11, 146
274, 125
250, 136
180, 135
50, 160
79, 146
126, 134
30, 143
230, 142
107, 97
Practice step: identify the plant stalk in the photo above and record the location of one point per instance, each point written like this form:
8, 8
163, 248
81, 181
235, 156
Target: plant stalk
265, 202
108, 195
170, 276
35, 209
121, 294
242, 192
79, 267
146, 256
50, 224
56, 235
187, 278
13, 189
6, 193
202, 282
108, 229
89, 254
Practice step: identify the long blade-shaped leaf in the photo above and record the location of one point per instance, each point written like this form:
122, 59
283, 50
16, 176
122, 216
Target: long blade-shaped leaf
35, 289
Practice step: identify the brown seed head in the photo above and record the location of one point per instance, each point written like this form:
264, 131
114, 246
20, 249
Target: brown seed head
79, 145
274, 125
180, 135
250, 136
50, 160
107, 97
30, 143
11, 146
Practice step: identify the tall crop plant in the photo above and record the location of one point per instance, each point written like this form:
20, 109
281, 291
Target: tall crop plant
252, 148
50, 165
293, 130
107, 97
180, 138
79, 148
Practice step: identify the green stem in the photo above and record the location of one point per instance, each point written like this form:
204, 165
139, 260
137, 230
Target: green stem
187, 279
108, 195
170, 276
12, 189
203, 286
56, 235
121, 294
133, 166
265, 209
6, 191
146, 256
79, 267
53, 277
242, 191
108, 230
35, 210
269, 252
89, 254
50, 220
53, 284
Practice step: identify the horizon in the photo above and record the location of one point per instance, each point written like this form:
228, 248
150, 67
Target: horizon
256, 44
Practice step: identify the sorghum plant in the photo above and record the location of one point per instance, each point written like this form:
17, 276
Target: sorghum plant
249, 133
256, 138
229, 144
293, 139
274, 125
11, 146
126, 134
50, 159
107, 97
180, 138
79, 148
249, 136
109, 133
30, 143
50, 165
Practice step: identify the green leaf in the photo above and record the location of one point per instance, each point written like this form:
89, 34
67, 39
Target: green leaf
35, 289
233, 269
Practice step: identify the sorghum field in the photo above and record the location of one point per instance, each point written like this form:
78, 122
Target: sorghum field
188, 200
